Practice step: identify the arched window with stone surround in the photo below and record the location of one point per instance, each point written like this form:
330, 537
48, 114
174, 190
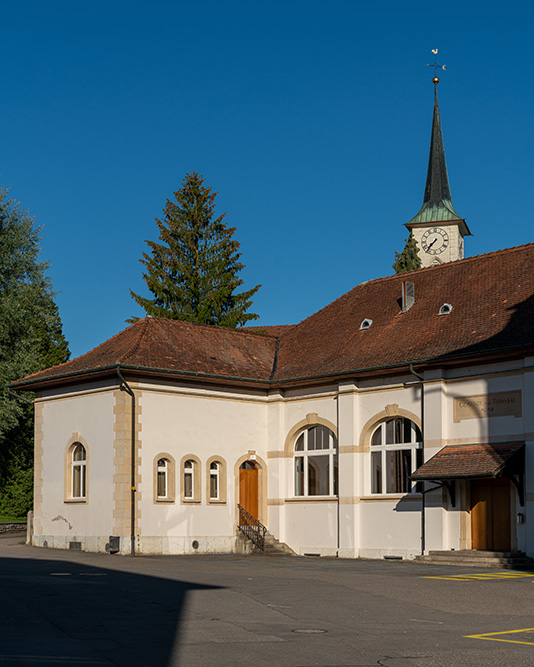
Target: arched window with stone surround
78, 488
162, 484
396, 451
164, 478
316, 462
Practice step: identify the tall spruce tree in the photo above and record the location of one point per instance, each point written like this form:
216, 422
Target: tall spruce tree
193, 272
31, 339
408, 259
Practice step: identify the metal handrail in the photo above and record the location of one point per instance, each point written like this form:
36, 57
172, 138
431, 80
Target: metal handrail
251, 528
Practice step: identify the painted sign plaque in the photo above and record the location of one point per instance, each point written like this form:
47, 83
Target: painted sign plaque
502, 404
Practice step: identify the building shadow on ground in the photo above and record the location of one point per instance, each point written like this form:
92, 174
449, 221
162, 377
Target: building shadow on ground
55, 612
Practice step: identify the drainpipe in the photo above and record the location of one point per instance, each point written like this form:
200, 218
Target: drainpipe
338, 468
126, 387
423, 523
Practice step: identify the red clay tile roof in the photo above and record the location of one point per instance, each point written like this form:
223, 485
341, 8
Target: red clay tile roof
271, 329
492, 298
461, 461
154, 343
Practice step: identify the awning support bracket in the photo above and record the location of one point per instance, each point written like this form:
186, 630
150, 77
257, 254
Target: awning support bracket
451, 488
519, 485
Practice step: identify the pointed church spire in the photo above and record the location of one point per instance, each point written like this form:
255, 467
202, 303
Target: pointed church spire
437, 202
437, 180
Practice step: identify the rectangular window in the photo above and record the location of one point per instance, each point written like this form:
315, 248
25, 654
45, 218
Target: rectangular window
299, 476
398, 469
188, 484
214, 486
318, 475
77, 482
376, 472
162, 486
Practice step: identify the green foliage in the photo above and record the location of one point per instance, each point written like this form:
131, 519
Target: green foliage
31, 339
16, 496
408, 259
192, 273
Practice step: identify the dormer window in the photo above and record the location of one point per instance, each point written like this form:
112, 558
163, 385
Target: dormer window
445, 309
365, 324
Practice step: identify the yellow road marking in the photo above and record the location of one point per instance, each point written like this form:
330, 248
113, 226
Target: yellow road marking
491, 636
482, 576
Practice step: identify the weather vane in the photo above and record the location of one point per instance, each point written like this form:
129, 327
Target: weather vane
435, 65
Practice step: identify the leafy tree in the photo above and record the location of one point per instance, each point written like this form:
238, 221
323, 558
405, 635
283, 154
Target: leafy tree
31, 339
408, 259
193, 272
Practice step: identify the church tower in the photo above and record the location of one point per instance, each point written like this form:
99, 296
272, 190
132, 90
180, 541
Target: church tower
438, 230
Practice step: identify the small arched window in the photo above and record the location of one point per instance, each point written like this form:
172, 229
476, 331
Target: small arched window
163, 478
315, 462
189, 480
78, 472
396, 451
214, 480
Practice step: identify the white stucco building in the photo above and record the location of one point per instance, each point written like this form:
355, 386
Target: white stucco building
156, 436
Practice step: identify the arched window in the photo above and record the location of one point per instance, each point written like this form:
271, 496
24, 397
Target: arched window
396, 451
315, 462
214, 480
163, 478
78, 472
189, 480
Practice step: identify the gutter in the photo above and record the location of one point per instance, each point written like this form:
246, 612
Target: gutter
266, 383
126, 387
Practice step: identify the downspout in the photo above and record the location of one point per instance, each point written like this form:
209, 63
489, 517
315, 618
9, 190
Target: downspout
338, 467
423, 523
126, 387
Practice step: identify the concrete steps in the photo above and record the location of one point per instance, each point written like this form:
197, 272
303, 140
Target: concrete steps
512, 560
275, 548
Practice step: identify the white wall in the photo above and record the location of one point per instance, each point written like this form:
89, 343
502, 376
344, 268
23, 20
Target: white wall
90, 415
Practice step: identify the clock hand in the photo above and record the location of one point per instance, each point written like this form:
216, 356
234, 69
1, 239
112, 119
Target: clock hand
432, 243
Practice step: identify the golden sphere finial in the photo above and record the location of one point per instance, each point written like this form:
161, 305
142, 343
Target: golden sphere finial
435, 80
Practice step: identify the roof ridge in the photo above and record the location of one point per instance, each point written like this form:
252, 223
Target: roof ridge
448, 264
145, 323
415, 271
237, 330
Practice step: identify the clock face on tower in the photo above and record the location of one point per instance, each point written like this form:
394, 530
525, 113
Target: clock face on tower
434, 241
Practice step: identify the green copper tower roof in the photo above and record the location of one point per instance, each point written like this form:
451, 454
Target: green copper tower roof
437, 203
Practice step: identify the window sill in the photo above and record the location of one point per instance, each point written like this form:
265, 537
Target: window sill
312, 499
75, 501
391, 497
164, 501
190, 501
216, 502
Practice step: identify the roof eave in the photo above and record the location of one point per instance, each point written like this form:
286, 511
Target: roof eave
85, 375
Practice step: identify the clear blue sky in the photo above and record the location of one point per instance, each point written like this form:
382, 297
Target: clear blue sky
311, 119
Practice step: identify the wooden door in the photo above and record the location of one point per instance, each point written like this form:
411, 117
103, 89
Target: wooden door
490, 514
248, 489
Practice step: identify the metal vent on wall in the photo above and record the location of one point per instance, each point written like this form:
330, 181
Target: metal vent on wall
365, 324
445, 309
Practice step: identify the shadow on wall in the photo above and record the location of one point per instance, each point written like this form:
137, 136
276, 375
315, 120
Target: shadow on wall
65, 613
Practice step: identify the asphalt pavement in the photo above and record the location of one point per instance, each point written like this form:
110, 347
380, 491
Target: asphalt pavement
75, 608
